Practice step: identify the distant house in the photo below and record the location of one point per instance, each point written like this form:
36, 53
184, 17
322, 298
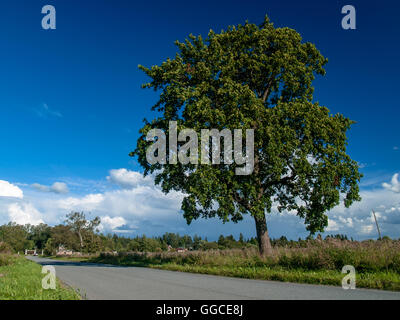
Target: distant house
62, 251
170, 248
30, 252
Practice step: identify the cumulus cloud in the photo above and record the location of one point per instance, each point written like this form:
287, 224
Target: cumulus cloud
129, 179
358, 220
137, 203
113, 224
140, 207
394, 185
9, 190
346, 221
133, 203
391, 215
87, 203
57, 187
367, 229
24, 213
332, 225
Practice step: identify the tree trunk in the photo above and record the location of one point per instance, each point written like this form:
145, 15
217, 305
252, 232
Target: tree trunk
264, 243
80, 239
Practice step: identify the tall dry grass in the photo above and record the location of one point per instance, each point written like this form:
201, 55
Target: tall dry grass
330, 254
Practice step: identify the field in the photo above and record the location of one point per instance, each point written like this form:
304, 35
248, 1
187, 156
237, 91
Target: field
377, 263
21, 279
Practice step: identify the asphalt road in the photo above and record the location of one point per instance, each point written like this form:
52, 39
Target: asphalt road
106, 282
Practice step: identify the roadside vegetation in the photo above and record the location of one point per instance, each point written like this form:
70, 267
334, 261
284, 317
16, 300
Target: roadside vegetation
21, 279
311, 260
79, 234
377, 263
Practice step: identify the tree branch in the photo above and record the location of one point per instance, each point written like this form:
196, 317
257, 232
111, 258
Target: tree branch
266, 92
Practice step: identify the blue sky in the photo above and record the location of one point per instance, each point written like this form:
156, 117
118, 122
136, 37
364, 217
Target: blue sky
71, 106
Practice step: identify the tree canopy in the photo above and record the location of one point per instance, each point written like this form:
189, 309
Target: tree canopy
253, 77
81, 226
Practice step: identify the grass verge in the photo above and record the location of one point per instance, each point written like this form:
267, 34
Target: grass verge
381, 280
21, 279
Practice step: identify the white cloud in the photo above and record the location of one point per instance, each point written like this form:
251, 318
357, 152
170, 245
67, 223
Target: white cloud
394, 185
140, 202
346, 221
9, 190
358, 221
140, 207
129, 179
40, 187
108, 223
332, 225
57, 187
367, 229
24, 213
88, 202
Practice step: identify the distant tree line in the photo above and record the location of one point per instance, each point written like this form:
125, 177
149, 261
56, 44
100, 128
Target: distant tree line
81, 235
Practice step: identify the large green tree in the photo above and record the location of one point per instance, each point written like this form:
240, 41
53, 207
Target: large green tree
39, 234
16, 236
83, 228
253, 77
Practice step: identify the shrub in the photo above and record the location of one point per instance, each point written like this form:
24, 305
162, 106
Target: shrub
5, 248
